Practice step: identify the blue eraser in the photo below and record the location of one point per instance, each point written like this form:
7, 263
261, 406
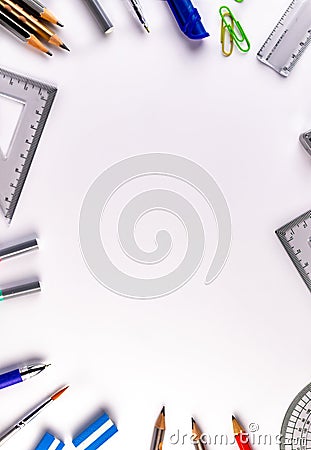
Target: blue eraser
96, 434
50, 442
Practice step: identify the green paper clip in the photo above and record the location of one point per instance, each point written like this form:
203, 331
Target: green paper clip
240, 37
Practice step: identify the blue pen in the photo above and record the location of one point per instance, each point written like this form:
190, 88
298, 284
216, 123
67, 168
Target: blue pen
20, 375
188, 19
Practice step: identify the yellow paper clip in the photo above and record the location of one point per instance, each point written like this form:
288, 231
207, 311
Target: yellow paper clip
223, 35
236, 31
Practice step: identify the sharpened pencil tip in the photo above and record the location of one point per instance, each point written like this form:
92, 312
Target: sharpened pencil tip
233, 418
147, 28
192, 421
163, 411
237, 428
65, 47
59, 24
49, 53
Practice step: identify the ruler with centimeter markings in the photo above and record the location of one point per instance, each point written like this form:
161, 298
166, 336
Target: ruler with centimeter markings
37, 99
296, 239
295, 431
289, 38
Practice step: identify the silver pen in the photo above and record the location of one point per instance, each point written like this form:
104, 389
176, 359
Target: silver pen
18, 249
17, 291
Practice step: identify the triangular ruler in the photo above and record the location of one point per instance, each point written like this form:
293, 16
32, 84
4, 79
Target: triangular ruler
295, 237
37, 99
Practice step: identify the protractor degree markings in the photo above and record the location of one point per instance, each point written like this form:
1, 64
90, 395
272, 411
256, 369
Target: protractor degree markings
297, 422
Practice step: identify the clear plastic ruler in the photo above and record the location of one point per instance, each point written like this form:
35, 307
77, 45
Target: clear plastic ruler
289, 38
296, 239
296, 427
36, 99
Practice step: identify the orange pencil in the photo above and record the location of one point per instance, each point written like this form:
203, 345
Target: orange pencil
33, 23
240, 435
197, 436
42, 11
159, 432
21, 33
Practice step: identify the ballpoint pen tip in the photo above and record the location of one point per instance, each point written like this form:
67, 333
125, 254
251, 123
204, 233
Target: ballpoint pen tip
59, 393
59, 24
64, 47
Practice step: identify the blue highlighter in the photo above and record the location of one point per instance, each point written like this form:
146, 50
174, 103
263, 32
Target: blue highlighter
188, 19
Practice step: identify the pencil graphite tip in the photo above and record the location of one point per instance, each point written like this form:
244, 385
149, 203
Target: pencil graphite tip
65, 47
192, 422
59, 393
49, 53
163, 411
147, 28
59, 24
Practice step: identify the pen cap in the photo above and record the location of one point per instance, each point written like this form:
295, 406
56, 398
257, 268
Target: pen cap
188, 19
100, 15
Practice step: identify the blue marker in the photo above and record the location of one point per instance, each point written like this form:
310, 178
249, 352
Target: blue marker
20, 375
188, 19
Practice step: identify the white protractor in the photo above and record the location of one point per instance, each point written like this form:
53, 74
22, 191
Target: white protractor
296, 427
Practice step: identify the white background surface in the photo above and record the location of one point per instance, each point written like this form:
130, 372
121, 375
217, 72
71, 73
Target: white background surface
239, 345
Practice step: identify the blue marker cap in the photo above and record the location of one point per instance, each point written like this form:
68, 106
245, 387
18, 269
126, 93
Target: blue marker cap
188, 19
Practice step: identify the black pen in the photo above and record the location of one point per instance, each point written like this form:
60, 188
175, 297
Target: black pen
139, 12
